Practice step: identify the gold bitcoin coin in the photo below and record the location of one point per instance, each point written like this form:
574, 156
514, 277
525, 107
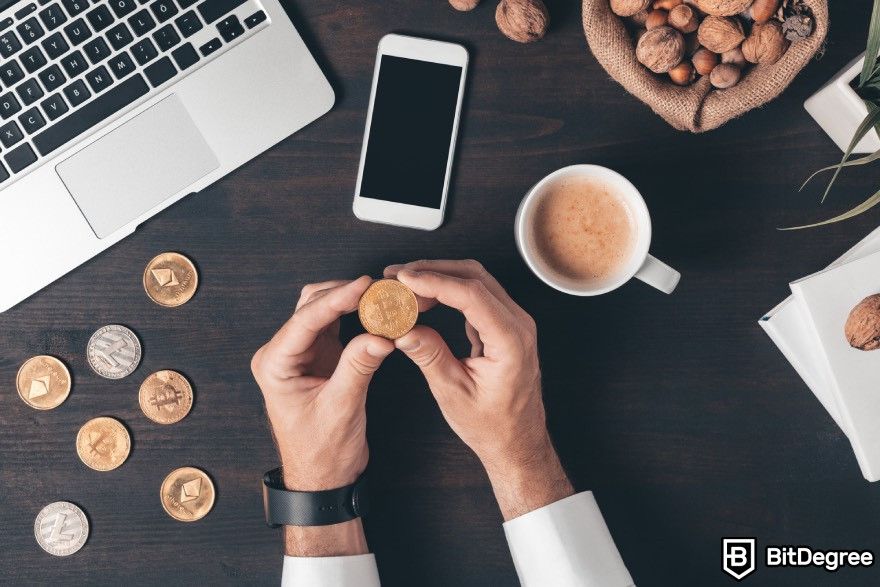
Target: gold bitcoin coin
166, 397
388, 308
43, 382
171, 280
187, 494
103, 443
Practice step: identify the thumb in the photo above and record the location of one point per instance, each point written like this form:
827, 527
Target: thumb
429, 351
360, 359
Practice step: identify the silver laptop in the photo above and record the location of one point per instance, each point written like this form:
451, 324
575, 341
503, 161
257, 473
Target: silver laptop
112, 110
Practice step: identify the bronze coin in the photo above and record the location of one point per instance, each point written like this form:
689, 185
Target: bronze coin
166, 397
43, 382
388, 308
171, 280
187, 494
103, 443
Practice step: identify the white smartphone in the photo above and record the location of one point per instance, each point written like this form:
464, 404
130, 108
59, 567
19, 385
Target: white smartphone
412, 124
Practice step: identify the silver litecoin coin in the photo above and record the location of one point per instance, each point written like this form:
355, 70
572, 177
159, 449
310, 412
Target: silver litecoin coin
114, 352
61, 528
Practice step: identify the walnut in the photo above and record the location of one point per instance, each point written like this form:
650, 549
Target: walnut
629, 7
660, 49
464, 5
719, 34
524, 21
765, 44
862, 328
639, 18
722, 7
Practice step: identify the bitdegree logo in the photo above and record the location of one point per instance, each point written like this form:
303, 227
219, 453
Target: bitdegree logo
804, 556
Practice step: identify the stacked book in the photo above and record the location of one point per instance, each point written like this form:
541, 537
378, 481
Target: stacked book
808, 327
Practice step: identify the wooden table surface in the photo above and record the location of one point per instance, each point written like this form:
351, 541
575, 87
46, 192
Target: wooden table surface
676, 410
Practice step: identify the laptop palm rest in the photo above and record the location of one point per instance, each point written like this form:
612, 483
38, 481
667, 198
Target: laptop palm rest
137, 166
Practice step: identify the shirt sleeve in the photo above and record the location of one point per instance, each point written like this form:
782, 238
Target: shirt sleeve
566, 544
331, 571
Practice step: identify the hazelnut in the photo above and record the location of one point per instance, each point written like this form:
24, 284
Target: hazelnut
524, 21
720, 34
464, 5
683, 19
628, 7
725, 75
722, 7
704, 61
862, 327
656, 18
682, 74
763, 10
765, 44
667, 4
639, 18
734, 57
660, 49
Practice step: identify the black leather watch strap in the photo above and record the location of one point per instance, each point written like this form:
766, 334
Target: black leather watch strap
311, 508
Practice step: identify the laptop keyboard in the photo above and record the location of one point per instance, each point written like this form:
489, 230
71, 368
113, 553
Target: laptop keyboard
68, 65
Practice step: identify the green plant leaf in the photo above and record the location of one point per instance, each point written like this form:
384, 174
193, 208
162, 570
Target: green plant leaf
873, 44
863, 207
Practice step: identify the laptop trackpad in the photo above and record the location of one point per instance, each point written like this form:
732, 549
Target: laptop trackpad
137, 166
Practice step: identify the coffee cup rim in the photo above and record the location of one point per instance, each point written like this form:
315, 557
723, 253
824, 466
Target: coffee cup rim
633, 197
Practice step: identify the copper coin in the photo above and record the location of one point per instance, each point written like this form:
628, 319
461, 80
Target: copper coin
103, 443
166, 397
171, 280
388, 308
43, 382
187, 494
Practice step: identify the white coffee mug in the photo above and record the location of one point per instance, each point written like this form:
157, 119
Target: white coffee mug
640, 264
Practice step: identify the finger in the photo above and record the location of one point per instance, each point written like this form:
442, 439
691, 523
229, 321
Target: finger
359, 361
492, 320
425, 304
309, 290
307, 323
430, 353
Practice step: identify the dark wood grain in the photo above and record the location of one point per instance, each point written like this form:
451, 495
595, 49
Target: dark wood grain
676, 410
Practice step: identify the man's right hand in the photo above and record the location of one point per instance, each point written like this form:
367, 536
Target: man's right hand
492, 399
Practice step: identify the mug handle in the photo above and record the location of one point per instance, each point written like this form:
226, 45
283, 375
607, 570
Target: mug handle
658, 274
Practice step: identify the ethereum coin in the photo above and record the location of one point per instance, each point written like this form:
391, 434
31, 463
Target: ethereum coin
388, 308
61, 528
103, 443
43, 382
114, 352
187, 494
171, 280
166, 397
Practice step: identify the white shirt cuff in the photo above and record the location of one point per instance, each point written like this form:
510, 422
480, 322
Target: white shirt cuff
566, 544
331, 571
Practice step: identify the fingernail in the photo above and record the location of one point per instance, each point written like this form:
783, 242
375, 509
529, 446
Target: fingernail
378, 351
408, 273
408, 343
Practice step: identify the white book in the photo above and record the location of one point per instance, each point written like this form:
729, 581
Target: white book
854, 378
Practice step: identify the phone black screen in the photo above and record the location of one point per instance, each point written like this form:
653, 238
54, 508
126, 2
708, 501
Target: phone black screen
411, 131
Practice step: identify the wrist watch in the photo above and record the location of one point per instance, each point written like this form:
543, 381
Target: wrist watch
311, 508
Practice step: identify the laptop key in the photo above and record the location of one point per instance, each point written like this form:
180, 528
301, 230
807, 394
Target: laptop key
20, 157
142, 22
211, 46
8, 105
185, 56
10, 134
9, 44
102, 107
96, 50
122, 7
255, 19
100, 18
160, 72
4, 175
166, 37
188, 23
20, 14
55, 45
6, 23
30, 30
99, 79
74, 7
30, 91
144, 51
163, 9
52, 77
31, 120
77, 93
11, 73
121, 65
229, 28
119, 36
211, 10
186, 3
53, 17
74, 63
33, 59
54, 106
77, 31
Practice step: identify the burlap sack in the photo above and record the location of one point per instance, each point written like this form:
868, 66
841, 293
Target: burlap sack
698, 107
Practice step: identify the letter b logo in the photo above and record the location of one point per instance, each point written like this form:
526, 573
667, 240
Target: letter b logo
738, 557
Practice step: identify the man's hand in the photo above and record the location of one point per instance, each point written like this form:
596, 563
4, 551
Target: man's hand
492, 399
315, 393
